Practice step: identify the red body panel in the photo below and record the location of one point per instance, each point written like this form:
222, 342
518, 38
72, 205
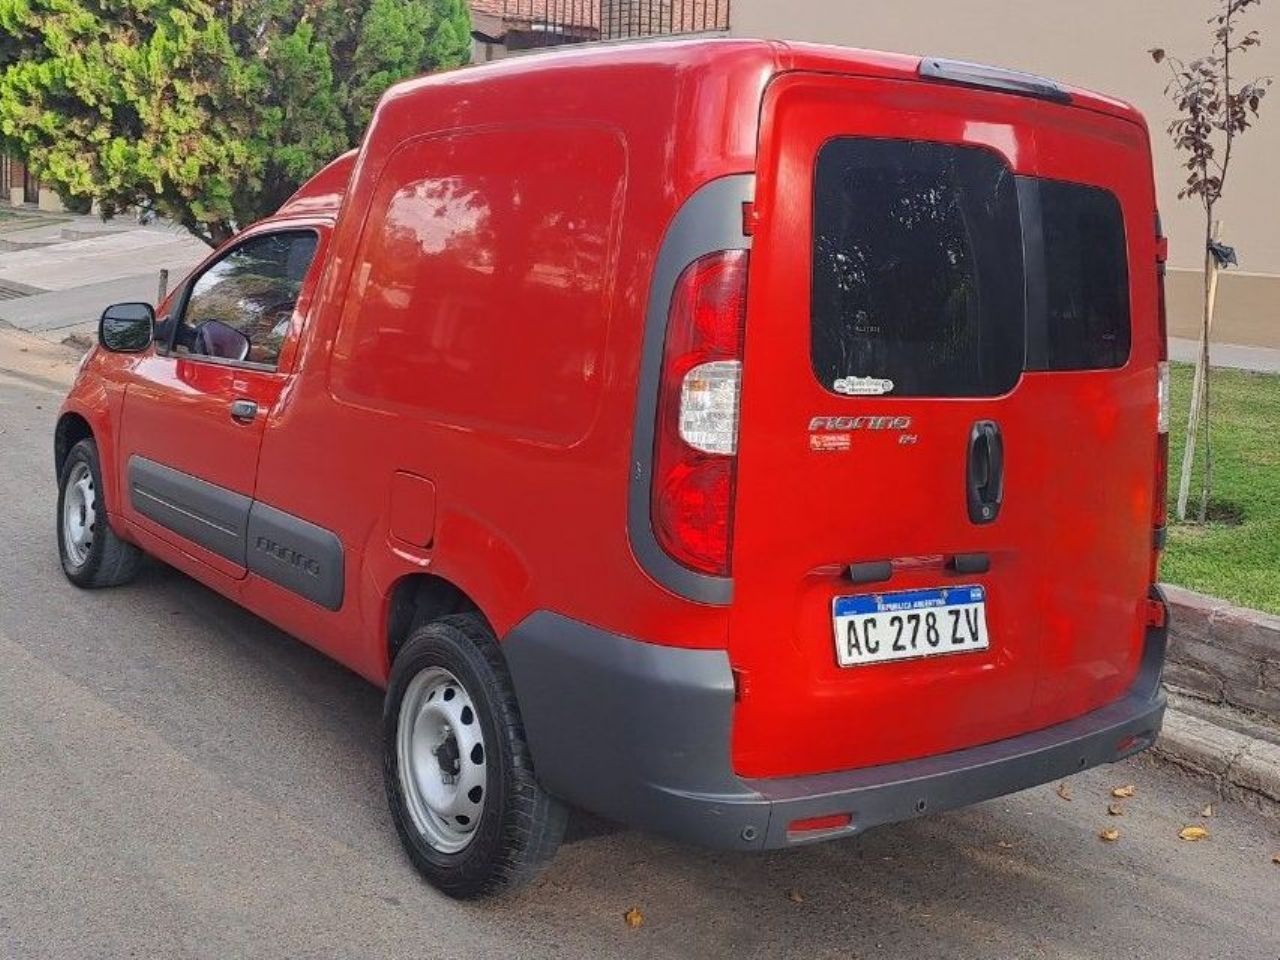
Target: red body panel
545, 287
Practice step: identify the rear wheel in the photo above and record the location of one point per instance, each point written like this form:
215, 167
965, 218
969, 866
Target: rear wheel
92, 555
458, 774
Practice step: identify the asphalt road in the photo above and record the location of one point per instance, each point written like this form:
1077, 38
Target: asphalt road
180, 779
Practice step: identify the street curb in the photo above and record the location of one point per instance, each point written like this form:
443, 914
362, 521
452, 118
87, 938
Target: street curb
1240, 766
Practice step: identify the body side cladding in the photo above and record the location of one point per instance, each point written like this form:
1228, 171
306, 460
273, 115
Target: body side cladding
291, 552
296, 554
204, 513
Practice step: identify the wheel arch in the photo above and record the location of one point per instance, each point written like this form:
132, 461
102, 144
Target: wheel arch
72, 427
418, 598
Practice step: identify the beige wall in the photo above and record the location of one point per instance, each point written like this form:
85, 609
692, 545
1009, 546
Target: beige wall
1101, 45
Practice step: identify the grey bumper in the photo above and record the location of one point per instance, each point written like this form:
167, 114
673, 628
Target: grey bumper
640, 733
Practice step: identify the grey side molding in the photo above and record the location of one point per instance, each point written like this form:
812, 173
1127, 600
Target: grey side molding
287, 550
710, 220
204, 513
296, 554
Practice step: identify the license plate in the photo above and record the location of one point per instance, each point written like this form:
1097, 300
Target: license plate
882, 627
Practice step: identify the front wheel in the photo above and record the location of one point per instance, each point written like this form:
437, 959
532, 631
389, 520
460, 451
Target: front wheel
457, 770
92, 555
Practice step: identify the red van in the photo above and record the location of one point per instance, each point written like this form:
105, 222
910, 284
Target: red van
750, 442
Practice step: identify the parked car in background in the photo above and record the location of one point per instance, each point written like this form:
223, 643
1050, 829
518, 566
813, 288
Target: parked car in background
750, 442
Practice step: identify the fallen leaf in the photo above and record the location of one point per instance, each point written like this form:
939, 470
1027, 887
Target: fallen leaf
633, 918
1207, 811
1064, 790
1276, 858
1193, 833
795, 896
1111, 836
1125, 792
1004, 844
1115, 810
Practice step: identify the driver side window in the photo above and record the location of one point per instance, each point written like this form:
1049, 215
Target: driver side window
240, 308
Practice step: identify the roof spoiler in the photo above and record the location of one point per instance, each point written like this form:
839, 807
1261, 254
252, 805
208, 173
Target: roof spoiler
993, 78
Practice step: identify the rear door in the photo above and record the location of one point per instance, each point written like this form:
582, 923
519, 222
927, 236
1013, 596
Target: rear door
943, 391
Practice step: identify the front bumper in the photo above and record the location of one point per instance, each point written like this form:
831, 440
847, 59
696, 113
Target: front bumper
640, 733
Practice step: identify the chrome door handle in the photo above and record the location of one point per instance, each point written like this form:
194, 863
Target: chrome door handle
243, 410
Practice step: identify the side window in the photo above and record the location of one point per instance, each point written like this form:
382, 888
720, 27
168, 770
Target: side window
240, 308
1083, 320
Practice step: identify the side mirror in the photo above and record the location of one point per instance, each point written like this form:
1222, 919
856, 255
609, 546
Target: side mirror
213, 338
126, 327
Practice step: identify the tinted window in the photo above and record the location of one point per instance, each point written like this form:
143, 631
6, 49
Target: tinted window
241, 307
917, 269
1084, 320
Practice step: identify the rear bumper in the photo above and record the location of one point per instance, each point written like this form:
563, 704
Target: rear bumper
640, 733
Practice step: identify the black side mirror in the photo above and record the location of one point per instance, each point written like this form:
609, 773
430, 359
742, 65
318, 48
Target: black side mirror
126, 327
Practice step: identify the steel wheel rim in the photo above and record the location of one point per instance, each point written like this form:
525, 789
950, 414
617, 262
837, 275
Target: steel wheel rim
79, 514
442, 759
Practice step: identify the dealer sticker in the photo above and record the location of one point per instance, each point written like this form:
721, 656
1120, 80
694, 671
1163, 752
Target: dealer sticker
830, 442
863, 386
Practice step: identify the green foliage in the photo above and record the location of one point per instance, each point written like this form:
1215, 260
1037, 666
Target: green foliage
1236, 554
209, 111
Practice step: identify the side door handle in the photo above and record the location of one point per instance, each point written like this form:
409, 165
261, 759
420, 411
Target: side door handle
984, 475
243, 411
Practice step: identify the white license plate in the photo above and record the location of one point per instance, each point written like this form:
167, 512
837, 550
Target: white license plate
882, 627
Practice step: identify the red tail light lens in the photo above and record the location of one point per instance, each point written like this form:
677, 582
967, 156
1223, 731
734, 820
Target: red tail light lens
696, 435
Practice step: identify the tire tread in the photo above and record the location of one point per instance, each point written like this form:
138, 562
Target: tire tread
112, 562
535, 822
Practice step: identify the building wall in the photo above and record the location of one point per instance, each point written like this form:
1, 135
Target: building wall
1101, 45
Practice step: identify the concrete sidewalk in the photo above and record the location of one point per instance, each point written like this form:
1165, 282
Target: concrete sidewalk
1233, 356
59, 286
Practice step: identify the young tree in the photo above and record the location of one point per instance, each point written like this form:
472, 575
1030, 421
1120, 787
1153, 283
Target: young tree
210, 112
1214, 110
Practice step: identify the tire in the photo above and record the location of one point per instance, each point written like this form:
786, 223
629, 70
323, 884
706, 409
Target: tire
92, 555
517, 826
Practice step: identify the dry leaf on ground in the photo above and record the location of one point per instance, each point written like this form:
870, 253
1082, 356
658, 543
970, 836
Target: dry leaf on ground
1125, 792
1064, 790
1111, 836
1207, 811
795, 896
1115, 809
633, 918
1004, 844
1193, 833
1276, 858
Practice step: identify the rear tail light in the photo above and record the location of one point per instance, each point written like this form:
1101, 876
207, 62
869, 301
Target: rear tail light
696, 436
1160, 502
1162, 397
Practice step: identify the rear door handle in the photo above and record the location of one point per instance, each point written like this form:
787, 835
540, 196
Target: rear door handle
984, 475
243, 410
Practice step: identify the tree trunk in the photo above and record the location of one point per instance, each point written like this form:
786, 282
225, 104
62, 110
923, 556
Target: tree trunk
1198, 385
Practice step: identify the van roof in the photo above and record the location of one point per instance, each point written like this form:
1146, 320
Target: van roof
703, 52
733, 59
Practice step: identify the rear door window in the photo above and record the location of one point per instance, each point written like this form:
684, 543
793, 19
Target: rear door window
917, 285
1081, 321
